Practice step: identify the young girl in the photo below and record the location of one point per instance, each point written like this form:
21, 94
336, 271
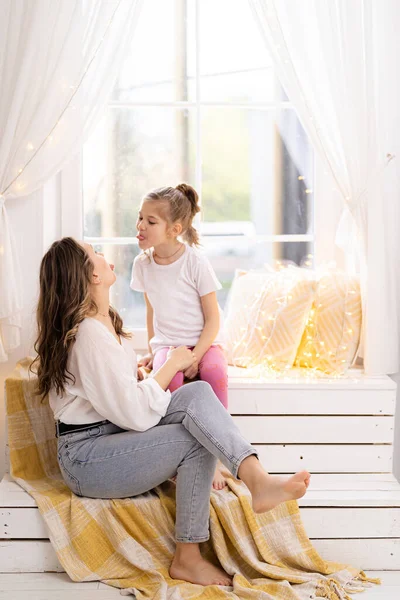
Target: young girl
180, 287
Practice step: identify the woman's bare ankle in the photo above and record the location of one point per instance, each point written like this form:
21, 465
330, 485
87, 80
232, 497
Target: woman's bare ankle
189, 565
250, 470
186, 552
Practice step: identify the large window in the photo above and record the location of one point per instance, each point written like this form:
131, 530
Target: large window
197, 100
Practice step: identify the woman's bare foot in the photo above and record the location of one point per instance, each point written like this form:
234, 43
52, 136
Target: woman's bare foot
198, 571
219, 481
267, 491
271, 490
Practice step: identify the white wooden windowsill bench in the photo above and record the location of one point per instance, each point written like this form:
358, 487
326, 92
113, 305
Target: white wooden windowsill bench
341, 430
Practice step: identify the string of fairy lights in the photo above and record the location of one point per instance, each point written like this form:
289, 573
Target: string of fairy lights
317, 356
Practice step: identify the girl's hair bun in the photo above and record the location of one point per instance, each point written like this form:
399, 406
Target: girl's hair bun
191, 194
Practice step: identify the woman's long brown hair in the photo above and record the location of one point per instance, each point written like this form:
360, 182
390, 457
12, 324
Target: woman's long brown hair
64, 301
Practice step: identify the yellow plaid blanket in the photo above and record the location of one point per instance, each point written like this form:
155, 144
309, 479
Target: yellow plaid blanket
129, 543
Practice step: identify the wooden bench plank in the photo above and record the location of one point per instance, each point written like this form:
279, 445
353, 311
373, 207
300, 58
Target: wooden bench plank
354, 522
351, 487
311, 402
334, 458
376, 554
316, 430
297, 379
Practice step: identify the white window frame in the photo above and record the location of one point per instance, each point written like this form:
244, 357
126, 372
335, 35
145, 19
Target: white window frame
325, 216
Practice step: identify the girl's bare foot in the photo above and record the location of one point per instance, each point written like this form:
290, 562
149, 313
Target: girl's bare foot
219, 481
271, 490
198, 571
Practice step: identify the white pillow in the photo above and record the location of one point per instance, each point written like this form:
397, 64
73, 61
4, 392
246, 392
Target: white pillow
266, 316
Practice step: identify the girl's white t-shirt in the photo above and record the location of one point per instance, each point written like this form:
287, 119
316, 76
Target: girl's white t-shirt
174, 292
106, 385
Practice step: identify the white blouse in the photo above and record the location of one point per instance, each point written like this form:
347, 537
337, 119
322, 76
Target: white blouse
106, 385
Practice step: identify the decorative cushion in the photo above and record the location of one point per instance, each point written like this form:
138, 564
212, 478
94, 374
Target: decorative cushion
266, 316
332, 334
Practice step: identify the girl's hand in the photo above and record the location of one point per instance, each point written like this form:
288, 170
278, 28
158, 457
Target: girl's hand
146, 361
143, 373
192, 371
182, 357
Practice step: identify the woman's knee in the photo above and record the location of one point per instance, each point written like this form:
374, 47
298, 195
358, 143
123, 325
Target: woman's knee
193, 393
203, 392
200, 387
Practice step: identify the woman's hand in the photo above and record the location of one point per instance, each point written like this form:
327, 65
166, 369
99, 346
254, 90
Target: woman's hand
146, 361
182, 357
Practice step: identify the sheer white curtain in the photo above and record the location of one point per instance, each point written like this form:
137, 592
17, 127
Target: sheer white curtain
337, 61
58, 64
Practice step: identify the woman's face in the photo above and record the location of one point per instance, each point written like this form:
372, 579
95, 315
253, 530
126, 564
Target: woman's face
103, 271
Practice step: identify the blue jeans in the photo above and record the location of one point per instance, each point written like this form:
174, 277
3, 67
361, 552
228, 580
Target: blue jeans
110, 462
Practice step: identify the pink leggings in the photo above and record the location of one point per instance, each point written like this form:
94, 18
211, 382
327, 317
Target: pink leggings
212, 368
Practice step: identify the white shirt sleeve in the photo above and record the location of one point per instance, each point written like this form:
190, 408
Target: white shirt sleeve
137, 282
110, 385
205, 277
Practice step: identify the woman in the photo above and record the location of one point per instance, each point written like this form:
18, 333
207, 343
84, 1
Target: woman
120, 437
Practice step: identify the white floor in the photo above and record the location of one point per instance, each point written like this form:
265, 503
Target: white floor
57, 586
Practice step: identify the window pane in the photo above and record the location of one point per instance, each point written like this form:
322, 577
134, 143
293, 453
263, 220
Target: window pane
130, 304
160, 64
257, 169
131, 152
231, 253
226, 255
235, 65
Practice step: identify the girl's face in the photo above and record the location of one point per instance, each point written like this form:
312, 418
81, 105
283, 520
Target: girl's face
103, 271
153, 230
